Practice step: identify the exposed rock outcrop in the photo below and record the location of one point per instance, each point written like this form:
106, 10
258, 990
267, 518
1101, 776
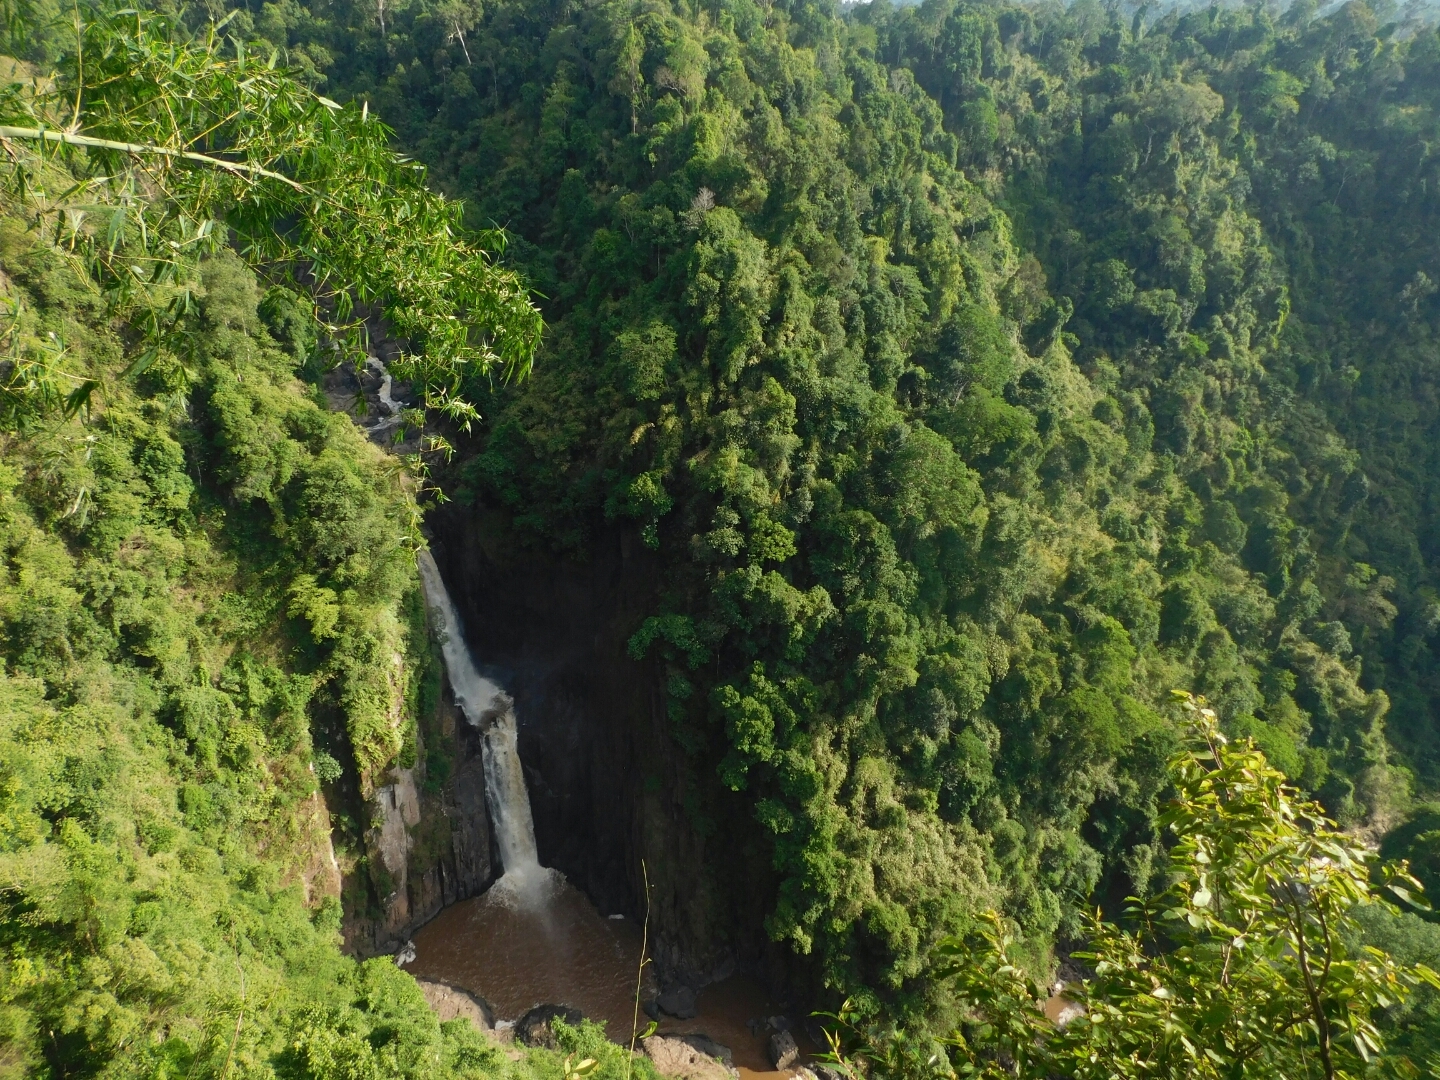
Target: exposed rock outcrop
398, 811
430, 844
371, 397
451, 1003
690, 1057
319, 875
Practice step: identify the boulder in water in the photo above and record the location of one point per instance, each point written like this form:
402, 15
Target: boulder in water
709, 1047
690, 1057
533, 1029
783, 1051
678, 1001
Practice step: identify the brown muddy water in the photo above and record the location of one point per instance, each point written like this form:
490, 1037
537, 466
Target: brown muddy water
517, 953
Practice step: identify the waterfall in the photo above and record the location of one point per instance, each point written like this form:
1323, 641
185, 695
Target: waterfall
489, 708
387, 400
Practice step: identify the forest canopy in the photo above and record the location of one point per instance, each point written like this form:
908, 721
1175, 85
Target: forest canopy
969, 370
977, 373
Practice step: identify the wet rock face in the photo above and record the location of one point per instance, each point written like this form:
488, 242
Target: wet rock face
608, 785
435, 846
555, 636
473, 862
453, 853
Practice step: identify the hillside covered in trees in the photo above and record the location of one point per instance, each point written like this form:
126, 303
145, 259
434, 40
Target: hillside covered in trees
977, 373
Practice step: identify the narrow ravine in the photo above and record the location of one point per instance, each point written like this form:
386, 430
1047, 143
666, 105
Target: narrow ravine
533, 938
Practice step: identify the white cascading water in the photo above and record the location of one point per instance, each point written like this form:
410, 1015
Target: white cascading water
387, 400
488, 708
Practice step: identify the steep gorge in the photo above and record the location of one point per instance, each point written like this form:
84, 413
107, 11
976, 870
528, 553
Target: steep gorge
915, 513
927, 394
609, 787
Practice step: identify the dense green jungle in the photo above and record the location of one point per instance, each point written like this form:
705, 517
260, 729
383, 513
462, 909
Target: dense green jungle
979, 374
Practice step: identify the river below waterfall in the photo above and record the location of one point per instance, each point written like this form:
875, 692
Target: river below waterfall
517, 956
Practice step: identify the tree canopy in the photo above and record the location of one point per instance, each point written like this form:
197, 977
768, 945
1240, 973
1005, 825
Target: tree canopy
145, 150
977, 372
945, 355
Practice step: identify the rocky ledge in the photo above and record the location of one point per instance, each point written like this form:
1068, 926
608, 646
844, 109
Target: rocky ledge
690, 1057
452, 1003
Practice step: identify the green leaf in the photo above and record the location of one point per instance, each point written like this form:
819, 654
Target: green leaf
1417, 900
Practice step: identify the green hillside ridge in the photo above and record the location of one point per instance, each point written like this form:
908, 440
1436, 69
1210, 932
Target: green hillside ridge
199, 588
158, 693
978, 373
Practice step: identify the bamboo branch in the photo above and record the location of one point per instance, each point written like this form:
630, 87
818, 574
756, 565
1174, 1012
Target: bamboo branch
139, 149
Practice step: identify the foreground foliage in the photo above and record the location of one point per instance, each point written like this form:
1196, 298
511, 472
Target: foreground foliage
173, 149
1242, 966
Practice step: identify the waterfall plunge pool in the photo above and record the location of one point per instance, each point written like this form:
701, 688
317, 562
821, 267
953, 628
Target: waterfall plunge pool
564, 952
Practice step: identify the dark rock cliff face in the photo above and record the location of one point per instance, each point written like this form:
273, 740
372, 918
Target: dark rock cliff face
609, 787
613, 796
431, 843
458, 859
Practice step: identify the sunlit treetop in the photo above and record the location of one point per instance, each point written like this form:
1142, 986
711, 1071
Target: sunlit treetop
146, 149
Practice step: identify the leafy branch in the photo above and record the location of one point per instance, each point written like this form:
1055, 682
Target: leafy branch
157, 150
1238, 968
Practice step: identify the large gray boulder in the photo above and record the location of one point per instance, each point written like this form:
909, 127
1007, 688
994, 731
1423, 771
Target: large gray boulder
783, 1051
452, 1003
690, 1057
